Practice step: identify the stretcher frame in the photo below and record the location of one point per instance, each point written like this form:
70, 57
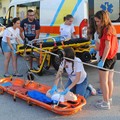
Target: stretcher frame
46, 52
20, 87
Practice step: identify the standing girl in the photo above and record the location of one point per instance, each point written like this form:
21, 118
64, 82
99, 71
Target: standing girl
10, 37
107, 51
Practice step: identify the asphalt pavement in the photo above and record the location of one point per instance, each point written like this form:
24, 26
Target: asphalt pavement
20, 110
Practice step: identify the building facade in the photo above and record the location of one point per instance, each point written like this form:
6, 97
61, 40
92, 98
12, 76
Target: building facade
4, 7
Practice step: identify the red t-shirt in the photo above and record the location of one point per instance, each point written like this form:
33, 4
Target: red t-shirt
113, 43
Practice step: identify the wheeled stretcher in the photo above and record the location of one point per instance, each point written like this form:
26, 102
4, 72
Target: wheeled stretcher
45, 50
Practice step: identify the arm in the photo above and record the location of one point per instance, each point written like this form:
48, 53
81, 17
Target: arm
73, 35
60, 71
21, 33
106, 50
77, 78
54, 88
37, 29
22, 30
37, 34
9, 43
73, 32
17, 40
97, 44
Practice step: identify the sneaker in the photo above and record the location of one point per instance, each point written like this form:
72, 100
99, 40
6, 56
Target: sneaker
110, 100
93, 90
103, 105
17, 75
6, 75
99, 92
101, 100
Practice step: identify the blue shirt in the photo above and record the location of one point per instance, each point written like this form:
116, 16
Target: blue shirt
30, 28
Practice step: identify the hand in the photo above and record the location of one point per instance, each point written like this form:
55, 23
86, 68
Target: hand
14, 52
92, 51
100, 64
54, 88
35, 44
92, 42
25, 41
65, 91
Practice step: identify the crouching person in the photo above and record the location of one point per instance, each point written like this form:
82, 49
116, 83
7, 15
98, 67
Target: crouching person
77, 77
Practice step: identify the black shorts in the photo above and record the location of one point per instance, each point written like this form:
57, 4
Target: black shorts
109, 63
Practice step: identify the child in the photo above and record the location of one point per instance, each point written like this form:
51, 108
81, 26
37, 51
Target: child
67, 28
77, 77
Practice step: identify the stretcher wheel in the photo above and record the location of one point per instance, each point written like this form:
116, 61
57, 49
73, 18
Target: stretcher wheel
85, 56
45, 67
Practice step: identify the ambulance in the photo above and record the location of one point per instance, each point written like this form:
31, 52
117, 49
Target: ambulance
113, 8
50, 14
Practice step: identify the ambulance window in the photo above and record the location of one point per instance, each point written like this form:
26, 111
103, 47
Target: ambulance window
110, 5
22, 9
10, 14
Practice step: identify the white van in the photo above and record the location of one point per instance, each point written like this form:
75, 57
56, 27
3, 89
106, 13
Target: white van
50, 14
113, 7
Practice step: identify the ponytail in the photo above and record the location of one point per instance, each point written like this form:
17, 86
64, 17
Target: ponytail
64, 18
67, 17
14, 20
10, 24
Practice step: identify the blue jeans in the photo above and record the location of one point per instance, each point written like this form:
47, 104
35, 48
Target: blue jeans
81, 89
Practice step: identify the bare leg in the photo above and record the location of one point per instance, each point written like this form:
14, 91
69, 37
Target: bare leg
7, 60
14, 62
110, 83
100, 79
104, 84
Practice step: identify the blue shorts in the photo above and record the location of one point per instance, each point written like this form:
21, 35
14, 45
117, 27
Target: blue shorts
6, 47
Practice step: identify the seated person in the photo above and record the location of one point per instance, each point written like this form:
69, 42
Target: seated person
67, 28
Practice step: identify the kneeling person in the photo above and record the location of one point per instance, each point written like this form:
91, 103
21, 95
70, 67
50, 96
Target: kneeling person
77, 77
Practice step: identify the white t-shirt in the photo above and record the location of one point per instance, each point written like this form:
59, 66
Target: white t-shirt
96, 37
13, 34
78, 67
66, 30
